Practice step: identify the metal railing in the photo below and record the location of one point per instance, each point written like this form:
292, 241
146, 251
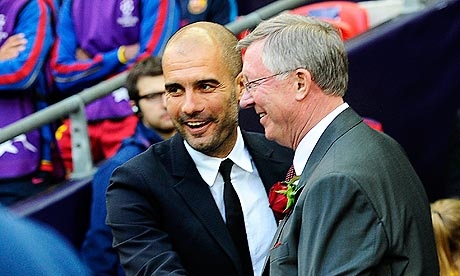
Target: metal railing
74, 106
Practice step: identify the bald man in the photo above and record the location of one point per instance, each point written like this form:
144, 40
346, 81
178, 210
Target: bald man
166, 207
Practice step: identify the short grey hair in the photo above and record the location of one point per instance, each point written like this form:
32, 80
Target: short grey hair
296, 41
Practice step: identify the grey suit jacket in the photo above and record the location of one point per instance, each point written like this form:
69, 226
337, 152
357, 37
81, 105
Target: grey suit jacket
362, 210
164, 218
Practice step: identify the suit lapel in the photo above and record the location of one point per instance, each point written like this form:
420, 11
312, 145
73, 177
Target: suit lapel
197, 196
338, 127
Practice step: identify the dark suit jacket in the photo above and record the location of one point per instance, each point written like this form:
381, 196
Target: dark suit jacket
164, 218
362, 210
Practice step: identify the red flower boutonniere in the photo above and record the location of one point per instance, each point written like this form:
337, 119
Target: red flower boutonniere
282, 196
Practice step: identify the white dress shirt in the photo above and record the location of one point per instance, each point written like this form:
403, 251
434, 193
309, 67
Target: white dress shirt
306, 145
258, 217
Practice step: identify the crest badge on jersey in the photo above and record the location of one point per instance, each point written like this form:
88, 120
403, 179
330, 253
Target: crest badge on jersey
127, 19
197, 6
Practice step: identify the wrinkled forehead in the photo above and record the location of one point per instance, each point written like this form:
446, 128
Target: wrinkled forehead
190, 56
192, 51
186, 68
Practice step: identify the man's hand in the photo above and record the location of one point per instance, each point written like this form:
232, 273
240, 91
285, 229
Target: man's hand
131, 51
82, 54
13, 45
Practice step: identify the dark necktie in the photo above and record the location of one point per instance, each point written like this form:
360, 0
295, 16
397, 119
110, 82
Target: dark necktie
290, 174
235, 219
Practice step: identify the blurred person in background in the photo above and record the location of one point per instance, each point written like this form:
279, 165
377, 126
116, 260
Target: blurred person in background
31, 248
445, 214
145, 84
26, 38
96, 40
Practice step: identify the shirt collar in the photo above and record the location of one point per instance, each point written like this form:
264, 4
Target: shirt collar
208, 166
307, 144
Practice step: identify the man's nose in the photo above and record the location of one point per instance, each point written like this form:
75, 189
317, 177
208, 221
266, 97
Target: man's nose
246, 100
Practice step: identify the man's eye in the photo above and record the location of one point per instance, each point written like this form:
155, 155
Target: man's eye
205, 87
174, 91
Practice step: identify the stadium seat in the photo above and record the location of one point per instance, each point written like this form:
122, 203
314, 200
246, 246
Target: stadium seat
349, 17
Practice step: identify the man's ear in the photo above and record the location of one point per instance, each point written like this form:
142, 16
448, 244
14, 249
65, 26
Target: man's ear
134, 106
239, 86
303, 81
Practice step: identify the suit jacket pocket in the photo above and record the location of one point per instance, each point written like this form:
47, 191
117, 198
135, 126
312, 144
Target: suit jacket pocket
282, 262
279, 252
